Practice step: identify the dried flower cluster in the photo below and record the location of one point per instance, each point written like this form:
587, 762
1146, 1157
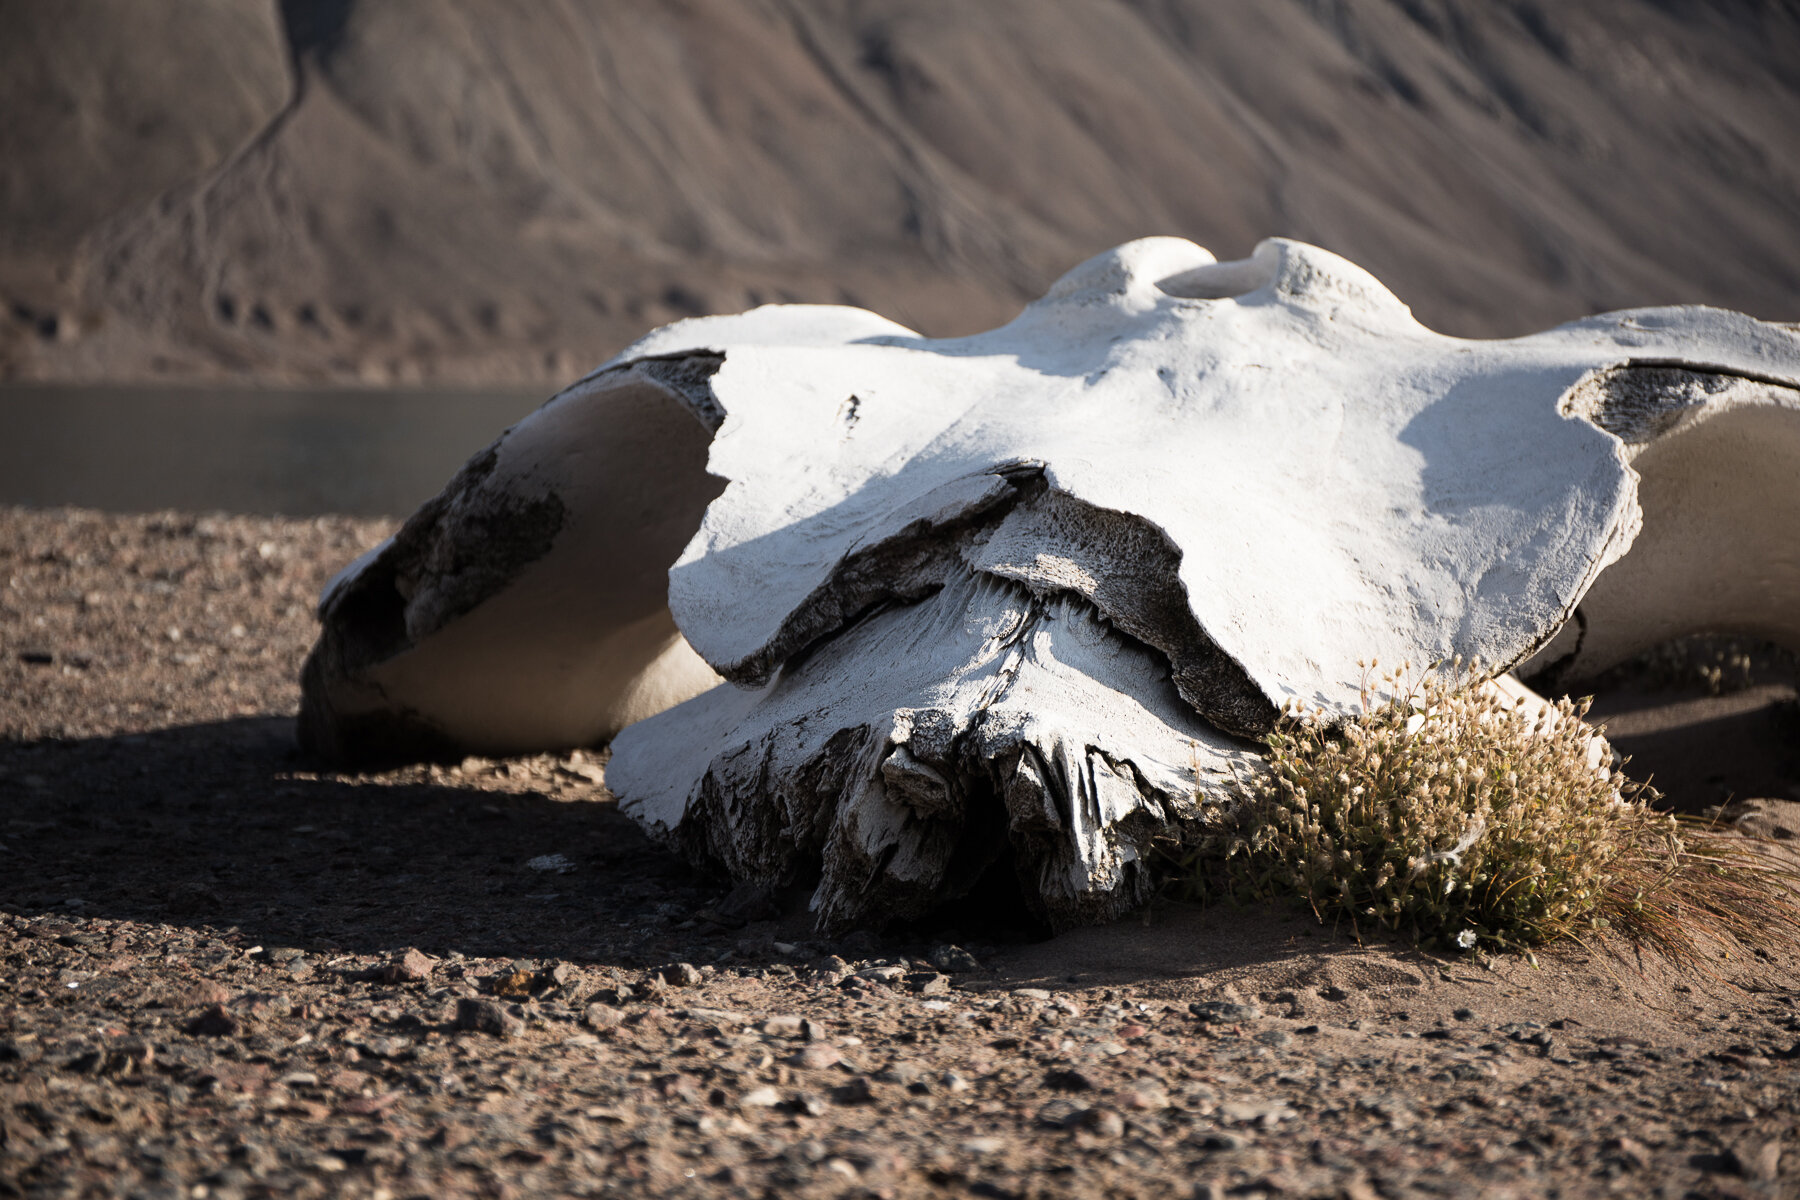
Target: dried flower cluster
1456, 816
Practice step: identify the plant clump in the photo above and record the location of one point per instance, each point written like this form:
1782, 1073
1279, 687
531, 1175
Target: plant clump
1456, 815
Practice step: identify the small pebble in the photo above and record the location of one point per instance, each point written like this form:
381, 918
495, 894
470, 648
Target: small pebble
1225, 1012
681, 975
929, 983
1103, 1122
1757, 1159
214, 1022
602, 1017
487, 1016
1145, 1096
900, 1071
1628, 1151
816, 1057
954, 960
783, 1025
413, 966
762, 1097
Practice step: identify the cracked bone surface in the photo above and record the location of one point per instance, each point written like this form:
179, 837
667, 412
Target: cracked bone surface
1008, 606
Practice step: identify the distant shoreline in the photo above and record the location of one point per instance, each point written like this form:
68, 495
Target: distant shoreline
292, 451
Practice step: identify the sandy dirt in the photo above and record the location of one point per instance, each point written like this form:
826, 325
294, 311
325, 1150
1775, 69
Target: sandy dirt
228, 972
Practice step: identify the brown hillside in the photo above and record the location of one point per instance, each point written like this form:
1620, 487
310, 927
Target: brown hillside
468, 190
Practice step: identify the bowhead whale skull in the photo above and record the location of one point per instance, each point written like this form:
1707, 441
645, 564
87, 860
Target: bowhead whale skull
1016, 601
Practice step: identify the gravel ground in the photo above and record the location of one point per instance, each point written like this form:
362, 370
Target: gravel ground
228, 972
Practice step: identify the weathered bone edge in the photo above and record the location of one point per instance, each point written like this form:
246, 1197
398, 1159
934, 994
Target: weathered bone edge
1002, 719
1716, 456
1012, 602
525, 605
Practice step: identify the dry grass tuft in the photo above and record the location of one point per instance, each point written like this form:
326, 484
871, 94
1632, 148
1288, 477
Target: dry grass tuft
1455, 816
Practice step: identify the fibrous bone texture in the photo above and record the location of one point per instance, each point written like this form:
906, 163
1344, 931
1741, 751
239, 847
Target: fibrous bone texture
1013, 606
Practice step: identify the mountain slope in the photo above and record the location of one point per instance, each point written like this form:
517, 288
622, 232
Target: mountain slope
469, 189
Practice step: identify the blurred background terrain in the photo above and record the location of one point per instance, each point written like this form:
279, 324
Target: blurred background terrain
483, 192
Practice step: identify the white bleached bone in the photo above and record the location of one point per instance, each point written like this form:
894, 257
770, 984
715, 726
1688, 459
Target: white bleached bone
926, 743
1716, 458
525, 606
1007, 602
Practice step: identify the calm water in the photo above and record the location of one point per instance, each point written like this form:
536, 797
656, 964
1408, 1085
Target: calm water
273, 451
